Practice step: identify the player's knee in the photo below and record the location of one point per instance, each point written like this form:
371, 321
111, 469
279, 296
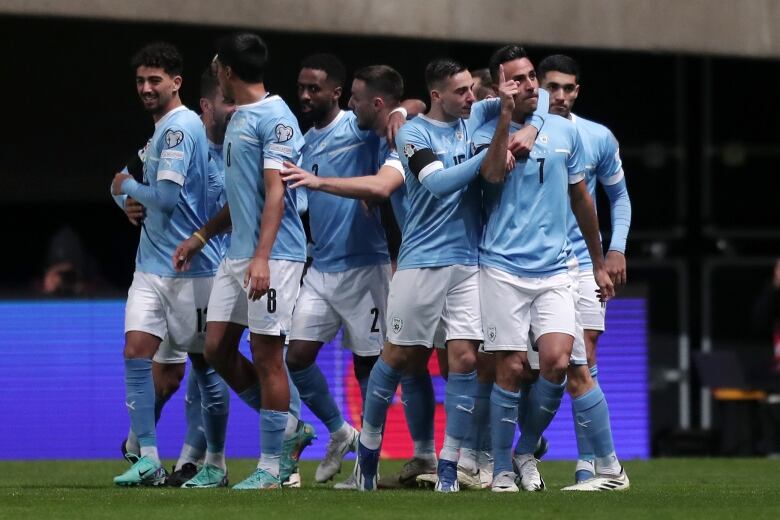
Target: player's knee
578, 380
211, 352
298, 359
462, 361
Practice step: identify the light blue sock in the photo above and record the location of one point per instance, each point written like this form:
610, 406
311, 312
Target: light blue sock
594, 372
482, 423
382, 385
584, 448
251, 396
522, 404
272, 426
543, 403
503, 421
192, 407
592, 417
313, 388
459, 406
140, 399
419, 409
215, 402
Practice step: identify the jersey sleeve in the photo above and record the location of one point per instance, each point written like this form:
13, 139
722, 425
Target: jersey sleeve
281, 142
609, 170
417, 155
393, 161
482, 112
482, 138
575, 162
177, 152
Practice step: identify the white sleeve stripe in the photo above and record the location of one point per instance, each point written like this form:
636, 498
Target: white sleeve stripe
429, 169
396, 165
249, 139
614, 179
272, 164
577, 177
168, 175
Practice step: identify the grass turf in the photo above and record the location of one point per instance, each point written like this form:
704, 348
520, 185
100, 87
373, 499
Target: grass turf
665, 488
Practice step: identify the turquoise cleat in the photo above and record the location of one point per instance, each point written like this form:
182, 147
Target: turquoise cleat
209, 476
145, 472
292, 449
259, 479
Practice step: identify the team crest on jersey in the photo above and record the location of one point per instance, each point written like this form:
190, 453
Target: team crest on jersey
409, 150
491, 334
543, 138
459, 135
283, 132
398, 324
172, 138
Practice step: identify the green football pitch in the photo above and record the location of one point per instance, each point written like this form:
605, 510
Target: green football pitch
745, 489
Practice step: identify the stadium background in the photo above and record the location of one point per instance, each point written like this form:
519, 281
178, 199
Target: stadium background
697, 131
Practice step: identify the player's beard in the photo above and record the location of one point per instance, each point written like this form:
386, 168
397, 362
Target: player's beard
315, 114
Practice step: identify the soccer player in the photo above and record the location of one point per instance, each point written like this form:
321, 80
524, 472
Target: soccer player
437, 273
597, 466
257, 282
526, 287
163, 303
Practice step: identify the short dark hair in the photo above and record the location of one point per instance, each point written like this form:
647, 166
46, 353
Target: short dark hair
559, 63
208, 84
503, 55
161, 55
441, 69
383, 80
246, 54
328, 63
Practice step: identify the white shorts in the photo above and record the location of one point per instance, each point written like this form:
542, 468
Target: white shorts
270, 315
173, 309
517, 310
422, 298
355, 299
589, 306
167, 355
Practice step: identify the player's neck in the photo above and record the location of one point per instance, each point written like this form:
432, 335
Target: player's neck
172, 105
380, 126
519, 117
248, 93
437, 114
329, 118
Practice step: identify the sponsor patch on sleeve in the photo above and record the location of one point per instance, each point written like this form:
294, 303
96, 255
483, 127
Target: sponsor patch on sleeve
172, 154
281, 149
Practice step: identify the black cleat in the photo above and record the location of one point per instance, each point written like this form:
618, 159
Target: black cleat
179, 477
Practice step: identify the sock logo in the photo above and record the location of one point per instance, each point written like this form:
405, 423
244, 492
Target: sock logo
130, 405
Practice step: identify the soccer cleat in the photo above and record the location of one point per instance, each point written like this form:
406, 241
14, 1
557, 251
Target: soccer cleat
348, 484
129, 456
293, 481
541, 448
209, 476
603, 483
447, 474
334, 454
411, 470
585, 470
468, 478
145, 472
366, 468
528, 477
259, 479
504, 482
485, 461
427, 480
179, 476
292, 449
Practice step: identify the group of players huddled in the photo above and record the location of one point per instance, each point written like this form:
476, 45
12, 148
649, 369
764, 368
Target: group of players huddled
501, 266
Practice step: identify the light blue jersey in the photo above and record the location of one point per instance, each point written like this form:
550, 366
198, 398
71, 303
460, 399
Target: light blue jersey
217, 194
526, 232
440, 231
260, 136
602, 162
398, 200
345, 234
177, 152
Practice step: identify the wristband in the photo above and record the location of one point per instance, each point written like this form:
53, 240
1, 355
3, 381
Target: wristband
402, 111
199, 237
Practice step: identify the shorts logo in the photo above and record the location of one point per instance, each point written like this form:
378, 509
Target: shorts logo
398, 324
409, 150
283, 132
172, 138
491, 334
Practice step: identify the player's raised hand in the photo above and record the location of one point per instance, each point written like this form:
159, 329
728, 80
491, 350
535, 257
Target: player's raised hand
182, 256
394, 123
135, 211
606, 289
296, 177
257, 279
116, 184
522, 142
615, 263
507, 90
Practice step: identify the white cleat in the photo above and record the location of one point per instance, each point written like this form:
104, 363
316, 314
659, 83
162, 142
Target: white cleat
293, 482
427, 480
485, 469
603, 483
528, 477
334, 455
504, 482
349, 484
468, 476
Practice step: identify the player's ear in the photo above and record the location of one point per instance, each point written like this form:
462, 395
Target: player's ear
378, 103
435, 96
205, 105
337, 93
177, 81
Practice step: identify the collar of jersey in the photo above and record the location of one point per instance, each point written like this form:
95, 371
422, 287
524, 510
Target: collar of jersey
329, 125
514, 125
442, 124
267, 99
168, 115
574, 118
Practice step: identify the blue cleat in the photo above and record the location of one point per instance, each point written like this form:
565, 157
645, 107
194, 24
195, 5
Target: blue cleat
292, 449
259, 479
448, 477
366, 468
145, 472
